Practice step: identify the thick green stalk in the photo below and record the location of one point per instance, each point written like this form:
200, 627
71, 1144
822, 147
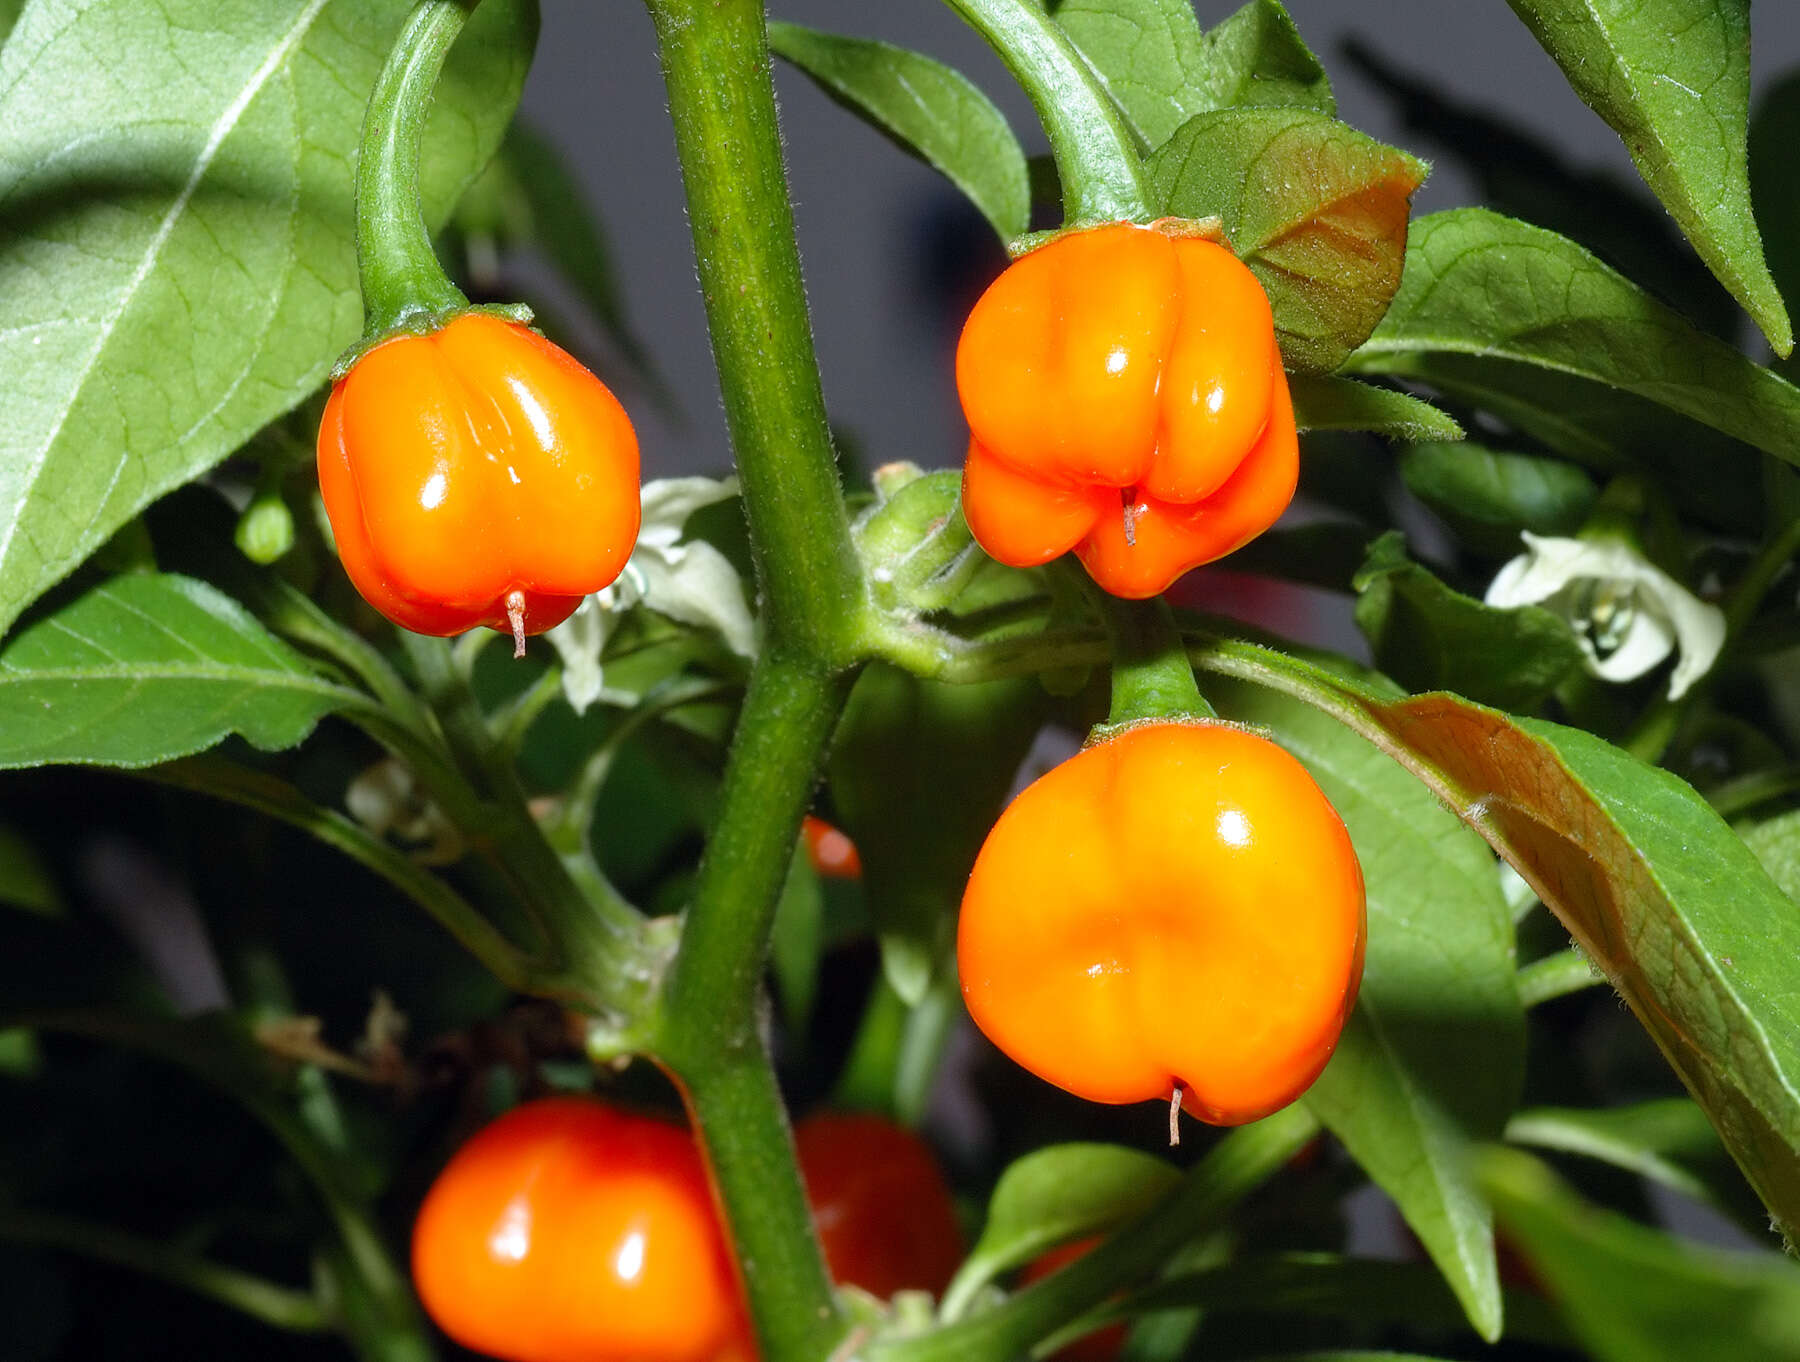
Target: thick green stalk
709, 1036
402, 282
1151, 675
716, 65
815, 607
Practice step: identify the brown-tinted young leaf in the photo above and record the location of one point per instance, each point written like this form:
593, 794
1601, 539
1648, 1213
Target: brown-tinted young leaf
1314, 207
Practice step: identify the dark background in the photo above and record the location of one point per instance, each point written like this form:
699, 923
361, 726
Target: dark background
885, 242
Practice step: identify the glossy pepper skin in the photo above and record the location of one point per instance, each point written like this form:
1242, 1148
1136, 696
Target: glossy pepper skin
568, 1231
880, 1203
1178, 905
476, 472
1126, 400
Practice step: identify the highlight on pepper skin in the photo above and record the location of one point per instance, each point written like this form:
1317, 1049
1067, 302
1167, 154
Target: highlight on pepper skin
477, 475
1126, 400
1177, 907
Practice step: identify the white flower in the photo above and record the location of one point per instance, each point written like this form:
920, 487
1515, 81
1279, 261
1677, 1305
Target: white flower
1627, 613
388, 800
690, 581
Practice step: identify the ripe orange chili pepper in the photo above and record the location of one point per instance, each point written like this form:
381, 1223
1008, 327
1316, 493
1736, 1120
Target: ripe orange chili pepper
567, 1231
1175, 908
1126, 400
833, 855
477, 475
1103, 1344
880, 1203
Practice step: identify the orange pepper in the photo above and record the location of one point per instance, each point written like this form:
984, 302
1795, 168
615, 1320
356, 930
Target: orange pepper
477, 475
1177, 907
832, 853
880, 1203
568, 1231
1126, 400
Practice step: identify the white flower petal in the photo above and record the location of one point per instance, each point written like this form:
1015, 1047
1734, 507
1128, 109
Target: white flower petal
700, 587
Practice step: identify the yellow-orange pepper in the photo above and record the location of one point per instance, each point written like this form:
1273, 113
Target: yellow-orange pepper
1178, 907
477, 475
1126, 399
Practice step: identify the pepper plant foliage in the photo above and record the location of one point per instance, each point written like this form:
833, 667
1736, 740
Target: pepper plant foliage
601, 837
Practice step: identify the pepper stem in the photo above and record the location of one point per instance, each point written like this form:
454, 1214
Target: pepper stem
515, 616
402, 282
1151, 675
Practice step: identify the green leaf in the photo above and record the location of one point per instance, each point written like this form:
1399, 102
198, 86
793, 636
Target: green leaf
1487, 496
1430, 637
1480, 284
1322, 402
1776, 843
1668, 1140
1527, 176
901, 744
1672, 78
932, 111
1634, 1294
9, 16
1773, 187
1316, 209
1161, 71
1055, 1195
25, 881
1652, 884
145, 668
179, 266
1434, 1054
1610, 431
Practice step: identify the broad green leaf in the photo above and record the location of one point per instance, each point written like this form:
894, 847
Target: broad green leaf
901, 744
1430, 637
1776, 843
1672, 78
1434, 1054
1488, 496
1055, 1195
1526, 176
1652, 884
931, 110
1161, 70
177, 265
1667, 1140
145, 668
1634, 1294
1609, 431
1480, 284
1322, 402
25, 881
1316, 209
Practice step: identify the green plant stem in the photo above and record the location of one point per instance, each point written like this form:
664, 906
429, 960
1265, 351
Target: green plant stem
597, 935
402, 281
1237, 1166
223, 779
1556, 976
278, 1306
1096, 153
709, 1037
897, 1048
716, 67
1151, 675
